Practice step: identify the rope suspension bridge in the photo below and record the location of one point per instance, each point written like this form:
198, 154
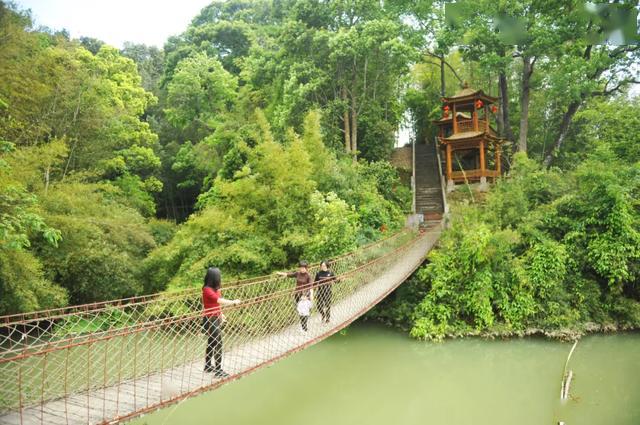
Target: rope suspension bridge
108, 362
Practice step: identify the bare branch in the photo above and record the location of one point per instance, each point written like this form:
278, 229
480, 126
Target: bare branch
455, 74
617, 88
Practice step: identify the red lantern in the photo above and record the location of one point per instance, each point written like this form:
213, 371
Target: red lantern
446, 108
479, 104
494, 108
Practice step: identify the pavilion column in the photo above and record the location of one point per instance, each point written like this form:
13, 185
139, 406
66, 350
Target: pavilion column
498, 155
450, 185
483, 177
475, 118
455, 120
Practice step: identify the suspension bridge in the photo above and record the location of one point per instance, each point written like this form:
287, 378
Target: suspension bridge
109, 362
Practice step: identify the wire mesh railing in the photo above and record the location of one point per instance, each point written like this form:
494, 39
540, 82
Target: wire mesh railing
29, 331
104, 362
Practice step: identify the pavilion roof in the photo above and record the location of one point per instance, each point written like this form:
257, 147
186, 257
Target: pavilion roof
449, 119
469, 94
465, 135
471, 136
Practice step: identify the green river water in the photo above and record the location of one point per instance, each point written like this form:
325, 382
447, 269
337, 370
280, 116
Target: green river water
374, 375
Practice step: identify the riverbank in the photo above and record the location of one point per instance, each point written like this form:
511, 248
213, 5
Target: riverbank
569, 334
566, 335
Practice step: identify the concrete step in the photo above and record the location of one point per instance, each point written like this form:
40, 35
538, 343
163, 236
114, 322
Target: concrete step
428, 199
430, 207
425, 212
431, 204
420, 208
432, 216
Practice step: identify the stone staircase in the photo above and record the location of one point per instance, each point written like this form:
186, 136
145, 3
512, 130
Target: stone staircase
428, 189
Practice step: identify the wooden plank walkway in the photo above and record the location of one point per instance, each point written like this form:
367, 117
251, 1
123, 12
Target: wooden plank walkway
131, 398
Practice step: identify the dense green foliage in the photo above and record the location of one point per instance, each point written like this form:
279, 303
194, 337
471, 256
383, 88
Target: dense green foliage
78, 170
262, 134
99, 145
348, 59
546, 249
284, 201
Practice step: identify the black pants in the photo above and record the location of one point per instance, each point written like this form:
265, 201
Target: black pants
324, 302
303, 322
213, 329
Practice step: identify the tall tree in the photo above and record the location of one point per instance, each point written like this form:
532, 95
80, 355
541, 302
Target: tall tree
585, 72
198, 94
369, 61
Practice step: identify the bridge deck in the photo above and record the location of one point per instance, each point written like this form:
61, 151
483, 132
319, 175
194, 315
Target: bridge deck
137, 396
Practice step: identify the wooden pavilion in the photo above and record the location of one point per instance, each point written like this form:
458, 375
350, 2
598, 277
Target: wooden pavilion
471, 146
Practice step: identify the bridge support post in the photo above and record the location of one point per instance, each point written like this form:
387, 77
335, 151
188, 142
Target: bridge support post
450, 186
484, 186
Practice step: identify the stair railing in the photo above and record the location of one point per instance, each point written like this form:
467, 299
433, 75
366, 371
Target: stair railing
443, 185
413, 176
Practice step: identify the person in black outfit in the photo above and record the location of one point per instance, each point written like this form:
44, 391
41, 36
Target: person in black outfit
212, 320
323, 281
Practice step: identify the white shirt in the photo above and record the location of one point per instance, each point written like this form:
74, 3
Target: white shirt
304, 307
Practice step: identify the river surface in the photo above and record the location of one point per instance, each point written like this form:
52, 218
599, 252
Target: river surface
375, 375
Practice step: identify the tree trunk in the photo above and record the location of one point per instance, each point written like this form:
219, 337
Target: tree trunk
354, 134
504, 106
442, 79
347, 127
562, 133
47, 173
499, 121
525, 88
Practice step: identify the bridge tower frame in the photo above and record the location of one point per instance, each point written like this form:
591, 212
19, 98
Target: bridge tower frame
465, 134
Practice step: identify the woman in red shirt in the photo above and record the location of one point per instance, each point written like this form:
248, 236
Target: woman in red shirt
213, 319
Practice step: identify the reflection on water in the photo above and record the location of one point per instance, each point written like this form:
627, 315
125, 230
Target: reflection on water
374, 375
